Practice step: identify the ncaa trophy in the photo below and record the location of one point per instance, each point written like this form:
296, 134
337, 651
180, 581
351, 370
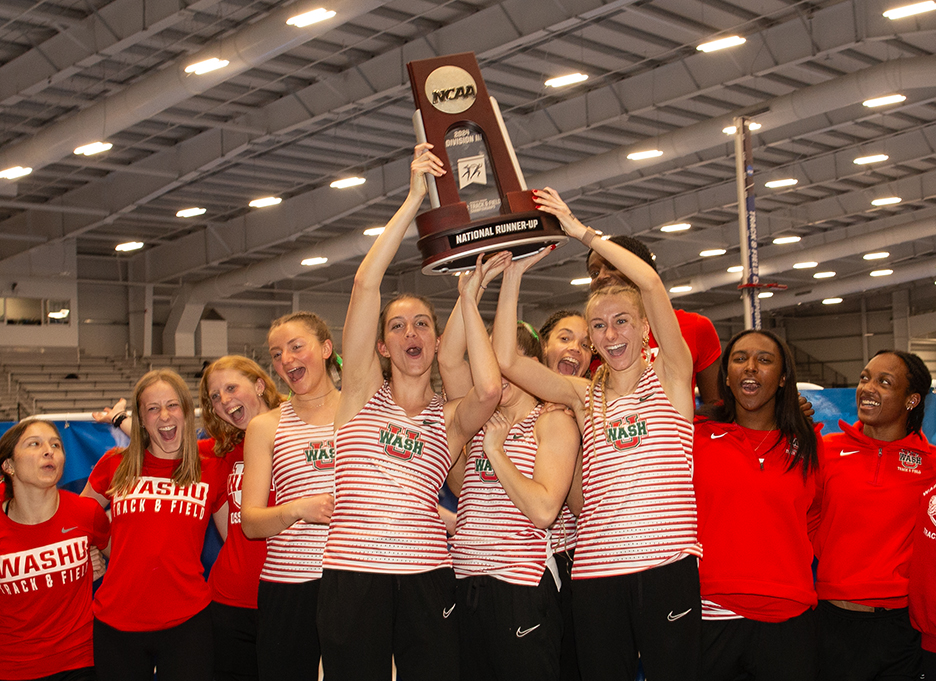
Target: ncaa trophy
482, 205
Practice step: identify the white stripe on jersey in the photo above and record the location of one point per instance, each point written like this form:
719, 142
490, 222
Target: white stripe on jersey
639, 506
713, 611
492, 536
303, 466
388, 472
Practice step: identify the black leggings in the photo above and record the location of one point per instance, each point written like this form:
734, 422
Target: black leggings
180, 653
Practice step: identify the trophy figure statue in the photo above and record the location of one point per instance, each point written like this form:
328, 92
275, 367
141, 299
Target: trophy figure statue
482, 205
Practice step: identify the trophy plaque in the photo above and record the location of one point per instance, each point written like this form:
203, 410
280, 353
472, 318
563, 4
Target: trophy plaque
482, 204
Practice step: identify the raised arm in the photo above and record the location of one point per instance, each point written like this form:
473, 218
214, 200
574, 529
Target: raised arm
258, 519
361, 374
526, 372
470, 413
453, 367
675, 369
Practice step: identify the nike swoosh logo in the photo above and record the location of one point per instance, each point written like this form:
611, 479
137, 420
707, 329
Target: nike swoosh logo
844, 453
447, 611
645, 398
523, 632
66, 530
430, 422
716, 436
672, 618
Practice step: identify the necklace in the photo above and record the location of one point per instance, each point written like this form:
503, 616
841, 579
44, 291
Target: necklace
764, 439
311, 402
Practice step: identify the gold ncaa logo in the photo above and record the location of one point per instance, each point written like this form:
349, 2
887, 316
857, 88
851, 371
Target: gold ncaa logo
451, 89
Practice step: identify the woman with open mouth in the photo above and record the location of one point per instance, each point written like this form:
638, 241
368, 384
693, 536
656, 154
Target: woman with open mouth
635, 577
755, 460
290, 449
233, 390
871, 479
152, 608
388, 589
46, 538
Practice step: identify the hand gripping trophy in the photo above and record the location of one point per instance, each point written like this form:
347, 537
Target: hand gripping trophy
482, 205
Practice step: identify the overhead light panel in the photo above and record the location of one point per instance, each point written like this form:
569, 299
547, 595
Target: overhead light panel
347, 182
865, 160
15, 172
879, 255
312, 262
678, 227
765, 294
787, 182
805, 265
93, 148
831, 301
823, 275
309, 18
732, 129
206, 66
882, 273
734, 269
641, 155
129, 246
570, 79
713, 252
721, 44
581, 282
680, 289
191, 212
61, 314
883, 101
780, 240
266, 201
910, 10
888, 201
374, 231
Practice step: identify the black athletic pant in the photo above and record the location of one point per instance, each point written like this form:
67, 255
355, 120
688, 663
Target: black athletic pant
655, 613
180, 653
568, 655
235, 642
80, 674
867, 646
764, 651
287, 637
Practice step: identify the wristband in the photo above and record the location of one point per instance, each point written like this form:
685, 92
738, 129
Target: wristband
590, 235
117, 420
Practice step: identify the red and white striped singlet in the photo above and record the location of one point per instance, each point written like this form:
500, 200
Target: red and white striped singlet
303, 466
388, 472
639, 506
492, 536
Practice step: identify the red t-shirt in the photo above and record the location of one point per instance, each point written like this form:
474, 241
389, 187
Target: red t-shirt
701, 337
922, 567
45, 589
236, 573
155, 579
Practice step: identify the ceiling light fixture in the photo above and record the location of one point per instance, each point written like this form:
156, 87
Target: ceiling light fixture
61, 314
191, 212
129, 246
865, 160
206, 66
93, 148
883, 101
721, 44
888, 201
347, 182
910, 10
14, 172
882, 273
713, 252
641, 155
765, 294
570, 79
780, 240
736, 268
878, 255
374, 231
823, 275
732, 129
831, 301
680, 289
312, 262
809, 264
309, 18
266, 201
787, 182
678, 227
581, 282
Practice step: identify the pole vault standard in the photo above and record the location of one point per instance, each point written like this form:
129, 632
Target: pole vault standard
747, 224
